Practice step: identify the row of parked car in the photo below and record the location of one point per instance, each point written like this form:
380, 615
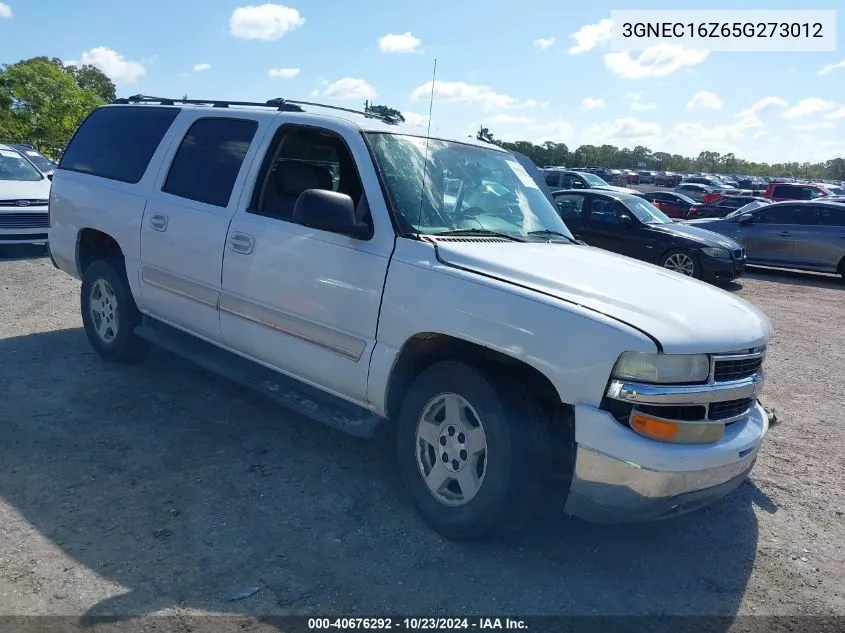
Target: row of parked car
25, 176
714, 235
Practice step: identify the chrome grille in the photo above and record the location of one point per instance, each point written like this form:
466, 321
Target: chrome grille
24, 221
28, 202
729, 408
726, 368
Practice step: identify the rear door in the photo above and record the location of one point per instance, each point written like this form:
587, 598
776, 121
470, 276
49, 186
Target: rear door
819, 237
187, 216
570, 207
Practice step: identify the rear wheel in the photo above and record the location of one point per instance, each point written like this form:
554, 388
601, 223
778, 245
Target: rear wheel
471, 451
109, 313
682, 261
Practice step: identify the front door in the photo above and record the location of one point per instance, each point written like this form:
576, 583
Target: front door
302, 300
769, 238
186, 219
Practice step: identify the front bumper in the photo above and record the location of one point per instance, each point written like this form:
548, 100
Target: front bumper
716, 269
608, 489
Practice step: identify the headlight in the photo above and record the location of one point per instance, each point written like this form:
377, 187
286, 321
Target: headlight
662, 368
718, 253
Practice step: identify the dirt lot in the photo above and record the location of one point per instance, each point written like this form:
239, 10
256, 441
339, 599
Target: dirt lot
159, 487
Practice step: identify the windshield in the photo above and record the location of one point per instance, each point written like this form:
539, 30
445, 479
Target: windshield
593, 180
756, 204
685, 199
836, 190
13, 166
466, 187
646, 212
38, 160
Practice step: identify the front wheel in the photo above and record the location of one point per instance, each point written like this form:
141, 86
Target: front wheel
471, 451
109, 313
682, 261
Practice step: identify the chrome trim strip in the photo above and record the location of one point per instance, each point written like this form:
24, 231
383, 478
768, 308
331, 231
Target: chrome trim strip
328, 338
638, 393
718, 357
186, 288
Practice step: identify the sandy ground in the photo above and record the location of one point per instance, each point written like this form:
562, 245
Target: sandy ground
160, 488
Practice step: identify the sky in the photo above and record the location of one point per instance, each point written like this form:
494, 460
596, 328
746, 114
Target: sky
540, 71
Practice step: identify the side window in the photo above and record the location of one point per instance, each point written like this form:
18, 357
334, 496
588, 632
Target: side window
302, 158
784, 191
828, 216
118, 142
571, 206
551, 178
603, 212
566, 181
207, 162
780, 214
810, 193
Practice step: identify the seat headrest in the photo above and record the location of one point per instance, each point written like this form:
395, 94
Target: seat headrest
293, 177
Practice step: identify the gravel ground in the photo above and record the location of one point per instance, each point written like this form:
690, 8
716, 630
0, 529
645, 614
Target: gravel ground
159, 488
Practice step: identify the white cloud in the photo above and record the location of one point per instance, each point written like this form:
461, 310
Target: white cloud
264, 22
350, 88
808, 106
637, 103
283, 73
5, 11
655, 61
830, 67
764, 104
507, 119
818, 125
592, 104
399, 43
705, 100
626, 128
590, 36
113, 65
198, 68
460, 92
557, 131
415, 118
544, 42
838, 114
315, 93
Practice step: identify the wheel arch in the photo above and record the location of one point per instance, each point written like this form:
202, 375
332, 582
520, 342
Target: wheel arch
93, 244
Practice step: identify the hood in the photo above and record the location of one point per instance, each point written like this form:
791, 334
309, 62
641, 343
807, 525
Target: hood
633, 192
25, 190
697, 234
683, 314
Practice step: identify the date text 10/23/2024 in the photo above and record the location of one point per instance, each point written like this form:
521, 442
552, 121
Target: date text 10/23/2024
726, 30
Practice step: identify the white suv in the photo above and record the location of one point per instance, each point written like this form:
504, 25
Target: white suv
315, 255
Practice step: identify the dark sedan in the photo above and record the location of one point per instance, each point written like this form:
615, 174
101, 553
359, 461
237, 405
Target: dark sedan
722, 207
802, 234
675, 205
631, 226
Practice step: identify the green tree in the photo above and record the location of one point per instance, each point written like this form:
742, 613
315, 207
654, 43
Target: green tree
42, 103
383, 110
94, 80
484, 134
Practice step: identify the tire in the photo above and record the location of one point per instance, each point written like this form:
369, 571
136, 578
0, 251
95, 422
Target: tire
109, 313
682, 261
842, 270
510, 480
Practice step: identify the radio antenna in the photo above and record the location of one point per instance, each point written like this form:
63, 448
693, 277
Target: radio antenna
427, 138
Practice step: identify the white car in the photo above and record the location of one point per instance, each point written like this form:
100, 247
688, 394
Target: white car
24, 196
502, 350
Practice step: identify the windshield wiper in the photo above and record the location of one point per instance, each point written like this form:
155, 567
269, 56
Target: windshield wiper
552, 233
487, 232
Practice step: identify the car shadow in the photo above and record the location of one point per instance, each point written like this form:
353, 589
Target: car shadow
795, 277
16, 252
185, 490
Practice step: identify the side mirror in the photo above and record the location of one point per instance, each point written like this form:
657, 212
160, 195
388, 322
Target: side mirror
746, 218
50, 176
577, 184
626, 220
329, 211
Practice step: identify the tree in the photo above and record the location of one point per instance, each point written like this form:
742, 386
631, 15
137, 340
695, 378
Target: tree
41, 103
94, 80
384, 111
484, 134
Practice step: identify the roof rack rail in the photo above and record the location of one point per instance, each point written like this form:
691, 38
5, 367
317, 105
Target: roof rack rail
282, 105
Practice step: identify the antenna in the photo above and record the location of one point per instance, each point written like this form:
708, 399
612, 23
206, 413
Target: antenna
427, 138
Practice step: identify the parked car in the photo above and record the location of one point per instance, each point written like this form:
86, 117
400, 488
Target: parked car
631, 226
478, 328
709, 181
806, 235
693, 190
567, 179
24, 196
646, 177
716, 194
780, 191
41, 162
722, 207
667, 179
675, 205
632, 177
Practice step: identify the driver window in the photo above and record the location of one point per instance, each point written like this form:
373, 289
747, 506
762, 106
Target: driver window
604, 212
299, 159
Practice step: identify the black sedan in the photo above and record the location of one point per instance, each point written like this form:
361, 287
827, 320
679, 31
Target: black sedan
722, 207
675, 205
631, 226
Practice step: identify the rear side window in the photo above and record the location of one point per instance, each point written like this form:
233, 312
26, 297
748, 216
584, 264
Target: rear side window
828, 216
785, 191
118, 142
207, 162
551, 178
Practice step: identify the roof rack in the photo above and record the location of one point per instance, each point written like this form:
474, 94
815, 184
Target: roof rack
282, 105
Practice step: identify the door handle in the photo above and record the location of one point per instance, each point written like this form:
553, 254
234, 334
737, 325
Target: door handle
241, 243
158, 222
785, 234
